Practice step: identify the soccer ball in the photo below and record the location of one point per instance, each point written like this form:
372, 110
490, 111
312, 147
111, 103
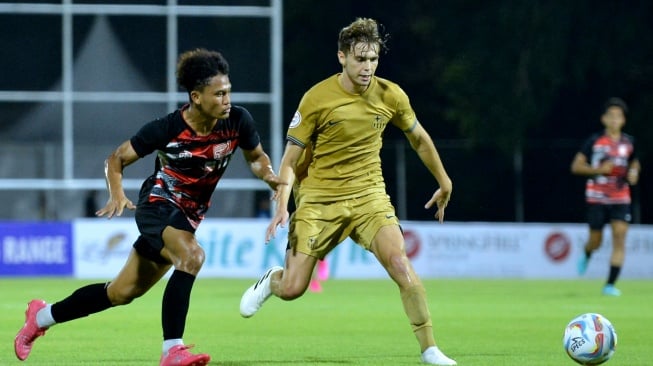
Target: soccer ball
590, 339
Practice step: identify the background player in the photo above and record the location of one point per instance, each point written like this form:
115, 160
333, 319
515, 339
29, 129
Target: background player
609, 161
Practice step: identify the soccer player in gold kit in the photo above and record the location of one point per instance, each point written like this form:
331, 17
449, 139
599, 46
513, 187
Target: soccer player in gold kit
339, 124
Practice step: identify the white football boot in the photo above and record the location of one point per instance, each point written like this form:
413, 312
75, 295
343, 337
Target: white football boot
256, 295
433, 356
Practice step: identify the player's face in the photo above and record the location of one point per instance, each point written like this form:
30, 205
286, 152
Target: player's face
359, 65
613, 119
214, 100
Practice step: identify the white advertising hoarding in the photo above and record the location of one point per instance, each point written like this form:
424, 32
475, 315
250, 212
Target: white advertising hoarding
511, 250
235, 248
101, 246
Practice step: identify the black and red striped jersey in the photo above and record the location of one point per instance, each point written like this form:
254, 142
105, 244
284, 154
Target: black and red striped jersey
188, 166
611, 188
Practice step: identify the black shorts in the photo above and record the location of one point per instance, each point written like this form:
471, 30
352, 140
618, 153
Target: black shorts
152, 219
598, 214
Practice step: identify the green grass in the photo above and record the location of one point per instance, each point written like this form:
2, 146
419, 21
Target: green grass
477, 322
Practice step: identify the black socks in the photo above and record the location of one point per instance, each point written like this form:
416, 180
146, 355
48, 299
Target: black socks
83, 302
614, 274
176, 299
93, 299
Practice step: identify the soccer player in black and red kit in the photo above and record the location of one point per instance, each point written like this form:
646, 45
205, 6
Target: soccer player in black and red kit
609, 161
194, 146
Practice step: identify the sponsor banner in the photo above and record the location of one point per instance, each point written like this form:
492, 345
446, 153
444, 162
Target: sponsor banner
235, 248
102, 246
510, 250
35, 249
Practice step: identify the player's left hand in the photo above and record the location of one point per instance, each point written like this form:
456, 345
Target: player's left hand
441, 200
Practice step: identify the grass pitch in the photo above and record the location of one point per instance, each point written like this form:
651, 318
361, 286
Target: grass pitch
477, 322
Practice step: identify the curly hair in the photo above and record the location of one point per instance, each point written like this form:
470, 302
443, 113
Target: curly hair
616, 102
363, 30
196, 67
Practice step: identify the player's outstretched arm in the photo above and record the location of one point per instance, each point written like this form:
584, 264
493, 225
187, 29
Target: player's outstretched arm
260, 164
287, 173
422, 143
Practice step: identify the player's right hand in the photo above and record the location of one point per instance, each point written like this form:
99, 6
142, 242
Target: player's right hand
280, 218
606, 167
115, 207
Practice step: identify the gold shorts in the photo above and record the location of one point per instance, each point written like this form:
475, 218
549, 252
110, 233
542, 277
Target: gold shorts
316, 228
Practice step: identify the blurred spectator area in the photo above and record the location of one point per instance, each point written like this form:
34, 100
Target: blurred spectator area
507, 110
91, 74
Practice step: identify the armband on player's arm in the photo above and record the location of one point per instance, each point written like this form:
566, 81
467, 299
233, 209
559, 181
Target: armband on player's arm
412, 127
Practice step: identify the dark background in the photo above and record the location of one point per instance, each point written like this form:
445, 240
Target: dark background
498, 84
503, 76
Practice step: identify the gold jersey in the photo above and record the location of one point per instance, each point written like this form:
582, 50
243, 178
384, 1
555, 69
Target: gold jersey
344, 132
